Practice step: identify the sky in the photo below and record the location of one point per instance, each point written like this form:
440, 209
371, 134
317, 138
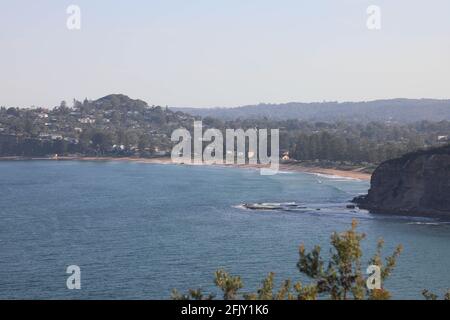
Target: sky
208, 53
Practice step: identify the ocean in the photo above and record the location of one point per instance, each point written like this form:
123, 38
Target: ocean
139, 230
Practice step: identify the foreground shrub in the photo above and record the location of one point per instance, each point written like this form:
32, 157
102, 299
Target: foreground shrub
340, 278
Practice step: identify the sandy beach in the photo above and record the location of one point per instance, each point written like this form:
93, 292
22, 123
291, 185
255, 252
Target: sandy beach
354, 174
287, 167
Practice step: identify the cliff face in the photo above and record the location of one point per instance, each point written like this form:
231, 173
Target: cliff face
417, 183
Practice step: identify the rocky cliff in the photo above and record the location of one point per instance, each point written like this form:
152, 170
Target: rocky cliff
417, 184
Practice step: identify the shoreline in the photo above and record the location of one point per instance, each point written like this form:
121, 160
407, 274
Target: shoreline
286, 167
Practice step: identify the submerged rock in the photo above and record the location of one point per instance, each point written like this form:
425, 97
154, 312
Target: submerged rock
286, 206
262, 206
417, 183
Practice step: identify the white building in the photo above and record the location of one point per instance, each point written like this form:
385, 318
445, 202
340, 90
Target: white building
87, 120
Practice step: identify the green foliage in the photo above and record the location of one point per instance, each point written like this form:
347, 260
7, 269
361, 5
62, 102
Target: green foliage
343, 276
139, 128
431, 296
339, 278
266, 292
89, 128
191, 295
229, 285
101, 141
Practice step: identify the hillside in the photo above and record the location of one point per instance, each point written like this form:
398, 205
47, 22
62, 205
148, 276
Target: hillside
115, 124
394, 110
417, 183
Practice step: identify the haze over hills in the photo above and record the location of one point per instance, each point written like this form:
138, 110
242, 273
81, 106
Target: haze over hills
395, 110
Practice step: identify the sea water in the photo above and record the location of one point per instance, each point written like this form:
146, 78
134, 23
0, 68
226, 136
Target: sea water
139, 230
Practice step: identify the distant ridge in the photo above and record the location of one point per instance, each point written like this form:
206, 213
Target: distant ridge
395, 110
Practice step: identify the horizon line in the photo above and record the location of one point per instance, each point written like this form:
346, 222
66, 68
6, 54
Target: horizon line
239, 106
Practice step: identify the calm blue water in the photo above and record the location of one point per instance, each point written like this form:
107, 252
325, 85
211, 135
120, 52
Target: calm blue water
138, 230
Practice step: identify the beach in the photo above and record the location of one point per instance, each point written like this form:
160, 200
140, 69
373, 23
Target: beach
285, 167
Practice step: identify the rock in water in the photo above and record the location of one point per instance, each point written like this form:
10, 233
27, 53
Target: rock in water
417, 183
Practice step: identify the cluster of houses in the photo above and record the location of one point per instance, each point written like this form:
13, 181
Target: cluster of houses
47, 136
57, 125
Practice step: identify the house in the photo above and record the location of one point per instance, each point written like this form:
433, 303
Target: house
87, 120
285, 156
71, 140
45, 136
56, 137
118, 147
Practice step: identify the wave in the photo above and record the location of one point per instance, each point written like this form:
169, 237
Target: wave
334, 177
429, 223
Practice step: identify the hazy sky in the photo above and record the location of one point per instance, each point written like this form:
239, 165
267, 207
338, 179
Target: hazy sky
201, 53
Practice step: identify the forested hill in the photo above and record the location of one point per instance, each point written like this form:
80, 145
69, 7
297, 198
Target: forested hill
394, 110
115, 124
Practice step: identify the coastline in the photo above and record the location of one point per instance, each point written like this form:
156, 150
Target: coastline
349, 174
286, 167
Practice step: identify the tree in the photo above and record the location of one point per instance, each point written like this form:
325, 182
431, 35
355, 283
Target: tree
101, 141
144, 142
13, 112
59, 146
431, 296
341, 278
191, 295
